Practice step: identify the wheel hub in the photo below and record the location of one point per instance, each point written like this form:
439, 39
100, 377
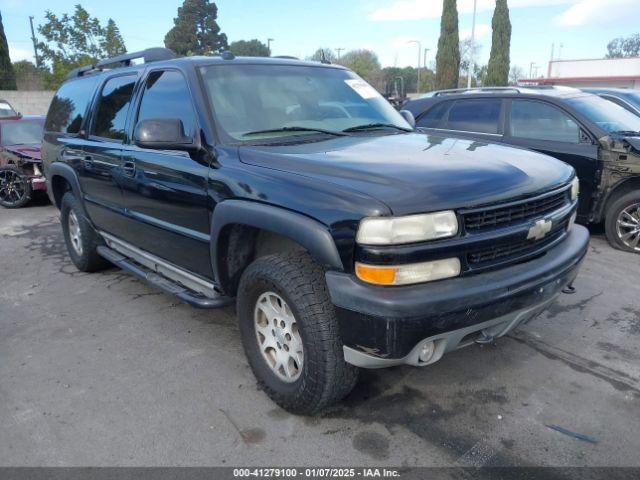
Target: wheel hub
75, 235
278, 336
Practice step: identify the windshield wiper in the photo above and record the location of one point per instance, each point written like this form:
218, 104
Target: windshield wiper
295, 129
369, 126
630, 133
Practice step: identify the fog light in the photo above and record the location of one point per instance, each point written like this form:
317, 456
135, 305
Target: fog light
427, 351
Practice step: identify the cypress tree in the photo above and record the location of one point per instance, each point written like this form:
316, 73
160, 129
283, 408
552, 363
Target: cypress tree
7, 75
448, 56
498, 68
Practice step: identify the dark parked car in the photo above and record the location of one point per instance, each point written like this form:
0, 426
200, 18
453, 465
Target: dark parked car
20, 164
600, 139
295, 190
626, 98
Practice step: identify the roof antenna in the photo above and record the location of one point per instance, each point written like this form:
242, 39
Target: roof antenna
227, 55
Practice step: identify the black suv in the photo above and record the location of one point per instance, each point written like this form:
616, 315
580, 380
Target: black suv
294, 189
600, 139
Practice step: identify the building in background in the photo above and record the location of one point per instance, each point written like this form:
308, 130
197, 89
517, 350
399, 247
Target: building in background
601, 72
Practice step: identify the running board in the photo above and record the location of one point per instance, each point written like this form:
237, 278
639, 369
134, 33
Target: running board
191, 297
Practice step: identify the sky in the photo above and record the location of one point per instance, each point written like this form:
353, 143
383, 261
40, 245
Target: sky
576, 28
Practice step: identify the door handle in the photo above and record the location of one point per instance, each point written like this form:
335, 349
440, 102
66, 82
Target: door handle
129, 168
88, 161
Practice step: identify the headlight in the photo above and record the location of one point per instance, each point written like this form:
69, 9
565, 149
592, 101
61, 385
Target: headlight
575, 188
410, 273
412, 228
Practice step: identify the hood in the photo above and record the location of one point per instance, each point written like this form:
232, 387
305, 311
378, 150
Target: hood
28, 151
414, 172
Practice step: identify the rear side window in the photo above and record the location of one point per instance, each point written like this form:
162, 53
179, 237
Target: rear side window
113, 107
433, 117
479, 115
541, 121
166, 95
69, 105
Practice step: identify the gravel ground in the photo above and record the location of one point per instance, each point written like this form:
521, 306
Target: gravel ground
100, 369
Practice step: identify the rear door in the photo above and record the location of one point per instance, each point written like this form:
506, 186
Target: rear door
472, 118
165, 190
541, 126
101, 169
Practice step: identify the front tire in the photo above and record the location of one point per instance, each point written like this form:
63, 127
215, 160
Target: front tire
81, 239
622, 222
290, 333
15, 189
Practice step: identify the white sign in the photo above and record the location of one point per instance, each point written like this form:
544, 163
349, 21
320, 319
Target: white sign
362, 88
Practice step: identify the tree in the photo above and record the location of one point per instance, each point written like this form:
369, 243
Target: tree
323, 53
7, 75
469, 50
195, 30
28, 76
249, 48
498, 67
515, 74
365, 63
624, 47
76, 40
448, 56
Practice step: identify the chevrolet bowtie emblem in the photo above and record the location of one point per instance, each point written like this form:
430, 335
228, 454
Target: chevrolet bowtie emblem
539, 229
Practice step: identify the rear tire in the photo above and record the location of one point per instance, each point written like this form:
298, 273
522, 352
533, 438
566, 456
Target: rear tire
81, 239
15, 189
622, 222
294, 283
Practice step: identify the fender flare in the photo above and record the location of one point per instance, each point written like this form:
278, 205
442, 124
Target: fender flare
65, 171
311, 234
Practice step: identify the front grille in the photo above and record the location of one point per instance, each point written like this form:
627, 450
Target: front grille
516, 212
508, 252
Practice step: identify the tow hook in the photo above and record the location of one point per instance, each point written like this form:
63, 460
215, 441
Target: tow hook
569, 289
485, 338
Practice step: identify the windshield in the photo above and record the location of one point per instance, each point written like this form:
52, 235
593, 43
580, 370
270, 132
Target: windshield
607, 115
267, 101
632, 97
6, 110
16, 133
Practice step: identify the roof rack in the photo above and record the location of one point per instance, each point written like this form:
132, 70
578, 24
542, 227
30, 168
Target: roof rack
149, 55
453, 91
287, 57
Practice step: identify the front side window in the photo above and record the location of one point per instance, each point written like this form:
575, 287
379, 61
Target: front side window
20, 133
166, 95
249, 99
68, 107
433, 117
541, 121
112, 108
479, 115
6, 110
607, 115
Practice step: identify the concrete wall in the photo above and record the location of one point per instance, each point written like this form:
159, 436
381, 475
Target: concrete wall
34, 102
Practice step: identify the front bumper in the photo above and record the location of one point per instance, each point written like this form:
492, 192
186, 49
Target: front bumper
382, 326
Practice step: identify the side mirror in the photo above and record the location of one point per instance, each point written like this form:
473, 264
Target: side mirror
408, 116
162, 134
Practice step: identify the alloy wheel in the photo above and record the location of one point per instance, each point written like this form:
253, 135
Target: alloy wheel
12, 187
628, 226
75, 235
278, 336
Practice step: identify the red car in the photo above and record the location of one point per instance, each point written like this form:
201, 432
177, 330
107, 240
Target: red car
20, 164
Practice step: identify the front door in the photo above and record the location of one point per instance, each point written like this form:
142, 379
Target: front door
547, 129
166, 191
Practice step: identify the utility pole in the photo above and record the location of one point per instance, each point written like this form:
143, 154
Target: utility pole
473, 39
560, 51
269, 40
339, 50
419, 57
531, 65
424, 65
35, 43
